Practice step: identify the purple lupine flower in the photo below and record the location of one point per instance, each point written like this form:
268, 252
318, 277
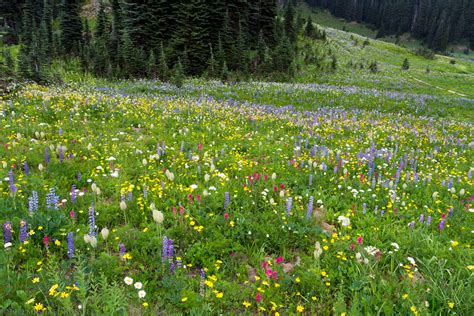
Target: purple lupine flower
289, 202
73, 194
310, 180
451, 212
202, 274
382, 213
122, 249
60, 131
164, 249
227, 200
364, 208
130, 196
145, 191
52, 200
310, 207
422, 218
26, 169
23, 231
172, 267
412, 224
47, 158
11, 181
33, 202
7, 232
79, 176
92, 231
61, 154
428, 220
170, 252
441, 225
70, 245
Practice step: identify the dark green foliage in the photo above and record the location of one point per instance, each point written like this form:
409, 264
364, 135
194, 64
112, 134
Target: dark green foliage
178, 74
71, 26
290, 22
374, 67
406, 64
436, 22
152, 69
163, 64
309, 30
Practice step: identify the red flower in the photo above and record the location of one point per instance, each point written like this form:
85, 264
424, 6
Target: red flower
258, 297
279, 259
360, 240
226, 216
46, 241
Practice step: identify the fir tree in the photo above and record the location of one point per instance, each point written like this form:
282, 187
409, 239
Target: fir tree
289, 22
406, 64
309, 29
71, 26
178, 74
163, 64
152, 69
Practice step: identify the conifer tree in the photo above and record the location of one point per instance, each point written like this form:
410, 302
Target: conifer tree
309, 29
151, 66
406, 64
289, 22
71, 26
163, 64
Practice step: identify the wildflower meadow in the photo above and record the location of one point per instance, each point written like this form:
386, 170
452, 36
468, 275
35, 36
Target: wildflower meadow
269, 199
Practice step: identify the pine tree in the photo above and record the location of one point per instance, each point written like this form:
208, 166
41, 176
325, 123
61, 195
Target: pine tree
24, 62
309, 29
152, 69
71, 26
440, 39
163, 65
212, 63
289, 22
406, 64
178, 74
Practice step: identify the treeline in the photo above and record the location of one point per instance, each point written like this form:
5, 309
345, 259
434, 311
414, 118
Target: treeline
158, 39
436, 22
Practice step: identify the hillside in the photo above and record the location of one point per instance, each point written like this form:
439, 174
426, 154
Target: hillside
440, 75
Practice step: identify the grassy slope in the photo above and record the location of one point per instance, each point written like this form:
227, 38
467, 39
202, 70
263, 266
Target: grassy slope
459, 78
442, 77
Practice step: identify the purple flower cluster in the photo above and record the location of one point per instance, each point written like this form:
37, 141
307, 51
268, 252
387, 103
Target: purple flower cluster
7, 232
70, 245
167, 250
310, 207
47, 158
227, 200
11, 181
33, 204
289, 202
23, 231
92, 231
52, 200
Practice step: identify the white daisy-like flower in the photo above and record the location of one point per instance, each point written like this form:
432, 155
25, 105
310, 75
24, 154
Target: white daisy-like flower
7, 245
345, 221
141, 294
412, 261
128, 280
395, 246
138, 285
